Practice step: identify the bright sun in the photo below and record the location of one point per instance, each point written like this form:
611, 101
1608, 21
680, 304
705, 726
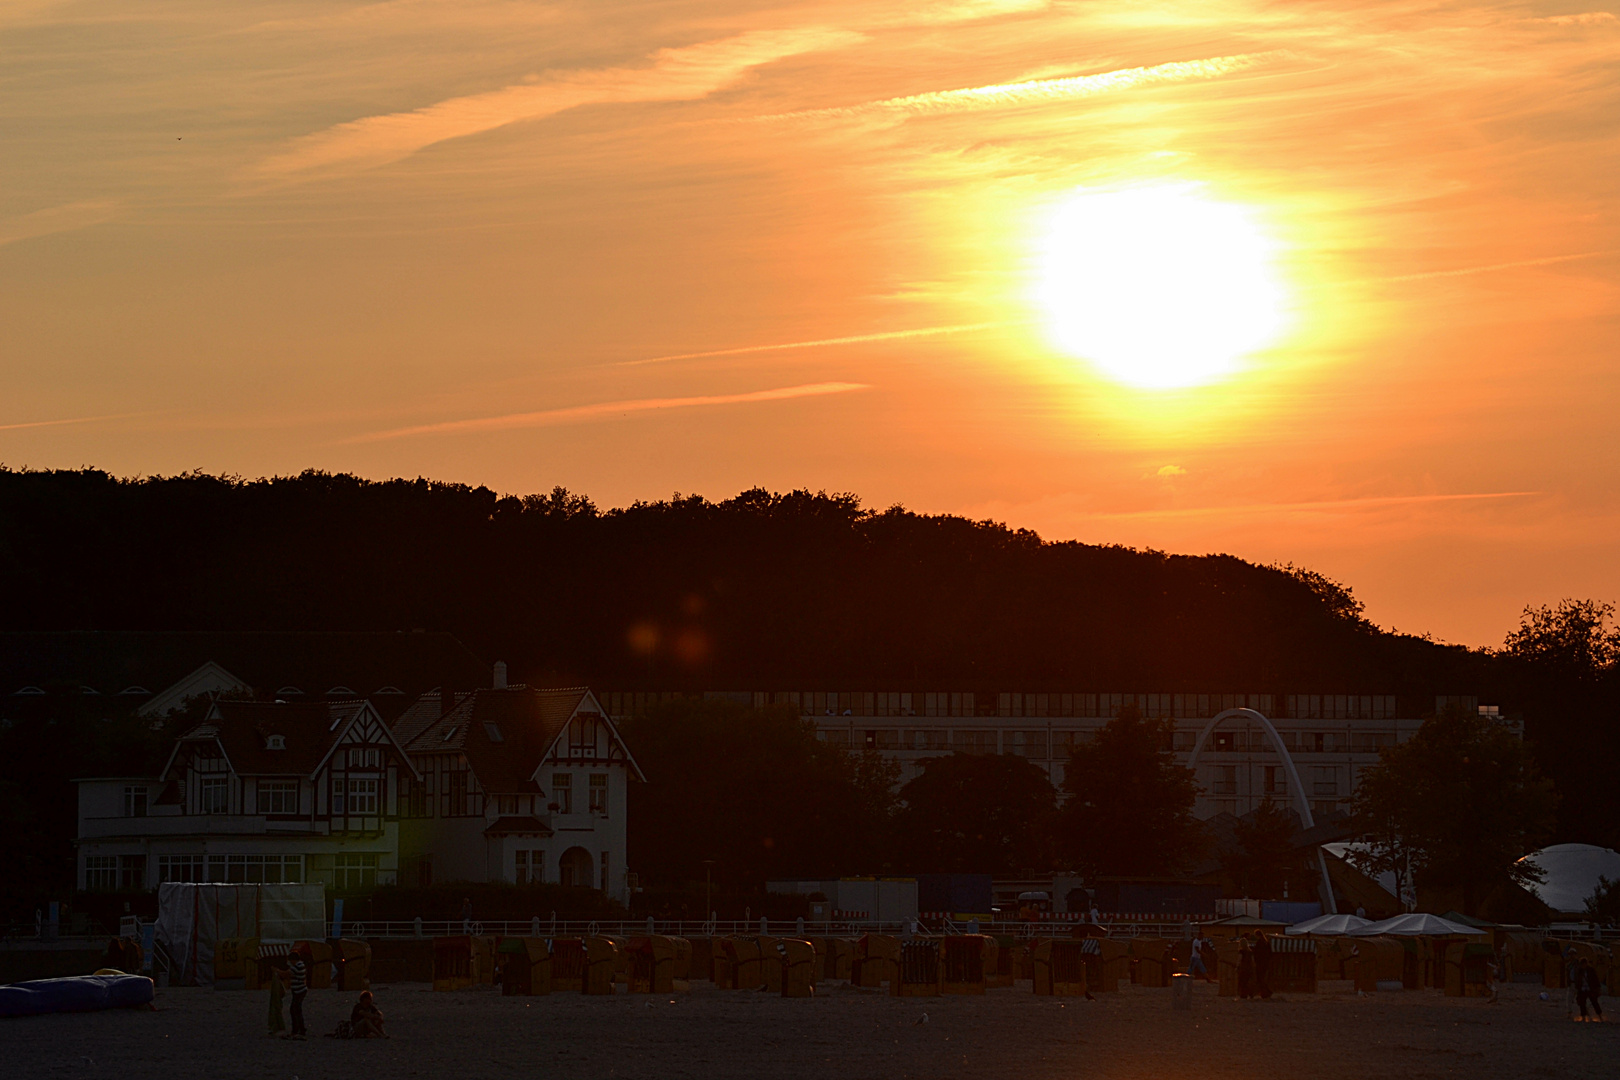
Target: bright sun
1158, 287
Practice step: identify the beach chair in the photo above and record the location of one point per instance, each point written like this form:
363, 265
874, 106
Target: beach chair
525, 966
601, 962
917, 972
568, 965
651, 965
877, 958
453, 966
963, 963
1059, 967
797, 960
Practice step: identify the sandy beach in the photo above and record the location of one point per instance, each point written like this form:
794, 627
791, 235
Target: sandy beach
197, 1033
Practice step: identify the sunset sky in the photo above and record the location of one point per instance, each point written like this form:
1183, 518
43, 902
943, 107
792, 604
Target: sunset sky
888, 248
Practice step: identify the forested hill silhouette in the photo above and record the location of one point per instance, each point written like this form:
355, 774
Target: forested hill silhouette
762, 590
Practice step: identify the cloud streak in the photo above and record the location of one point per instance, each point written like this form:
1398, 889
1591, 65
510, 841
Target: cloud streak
1033, 91
603, 409
1326, 505
856, 339
55, 219
681, 74
70, 420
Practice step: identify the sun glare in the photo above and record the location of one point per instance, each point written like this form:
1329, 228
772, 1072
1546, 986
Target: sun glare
1158, 287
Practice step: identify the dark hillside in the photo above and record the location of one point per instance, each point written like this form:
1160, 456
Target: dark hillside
760, 590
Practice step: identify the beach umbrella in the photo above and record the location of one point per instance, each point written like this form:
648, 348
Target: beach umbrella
1329, 924
1418, 924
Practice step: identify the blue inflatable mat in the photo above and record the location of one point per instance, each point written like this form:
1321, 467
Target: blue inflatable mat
82, 993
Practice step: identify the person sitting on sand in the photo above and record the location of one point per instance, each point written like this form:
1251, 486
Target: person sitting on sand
366, 1020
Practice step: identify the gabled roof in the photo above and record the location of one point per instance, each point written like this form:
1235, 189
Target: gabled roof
309, 732
518, 826
505, 734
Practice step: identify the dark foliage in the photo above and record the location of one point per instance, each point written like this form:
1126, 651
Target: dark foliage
764, 589
1129, 812
754, 792
978, 814
1264, 860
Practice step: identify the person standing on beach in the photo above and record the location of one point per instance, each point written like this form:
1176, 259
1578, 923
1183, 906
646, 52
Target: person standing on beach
298, 970
1262, 965
1588, 988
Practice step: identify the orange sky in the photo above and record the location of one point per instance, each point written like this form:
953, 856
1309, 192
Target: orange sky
437, 237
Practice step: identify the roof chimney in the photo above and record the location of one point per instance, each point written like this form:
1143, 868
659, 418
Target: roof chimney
500, 674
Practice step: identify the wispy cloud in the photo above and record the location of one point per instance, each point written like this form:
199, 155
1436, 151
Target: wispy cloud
55, 219
603, 409
856, 339
1034, 91
682, 74
1319, 505
69, 420
1466, 271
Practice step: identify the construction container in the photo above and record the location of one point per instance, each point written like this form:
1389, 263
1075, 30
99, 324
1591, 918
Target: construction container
601, 962
651, 967
525, 966
1059, 967
352, 959
798, 967
568, 965
918, 970
877, 959
453, 964
962, 962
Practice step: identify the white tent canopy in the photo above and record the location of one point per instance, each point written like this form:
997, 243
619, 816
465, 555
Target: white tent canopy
1572, 872
192, 919
1417, 924
1329, 924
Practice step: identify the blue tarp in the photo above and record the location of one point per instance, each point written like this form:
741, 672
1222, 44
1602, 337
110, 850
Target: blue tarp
82, 993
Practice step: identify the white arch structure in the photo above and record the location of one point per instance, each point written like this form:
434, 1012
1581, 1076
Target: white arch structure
1306, 818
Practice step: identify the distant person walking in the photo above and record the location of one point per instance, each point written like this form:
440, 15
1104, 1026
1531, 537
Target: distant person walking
1588, 989
298, 970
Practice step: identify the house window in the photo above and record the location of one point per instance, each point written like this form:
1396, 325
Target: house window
1324, 780
278, 796
974, 742
458, 799
365, 758
134, 801
180, 868
1226, 779
1276, 780
506, 804
562, 792
213, 796
338, 788
1026, 743
599, 794
101, 873
520, 867
256, 869
537, 866
354, 871
362, 796
132, 872
493, 732
416, 796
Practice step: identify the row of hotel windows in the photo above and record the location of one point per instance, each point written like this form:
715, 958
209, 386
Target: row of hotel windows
1183, 706
1324, 780
352, 871
362, 796
1036, 744
529, 867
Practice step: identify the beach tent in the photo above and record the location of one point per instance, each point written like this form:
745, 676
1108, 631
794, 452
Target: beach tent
192, 919
1572, 872
1329, 925
1417, 924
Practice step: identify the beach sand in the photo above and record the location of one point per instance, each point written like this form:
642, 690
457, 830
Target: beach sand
842, 1033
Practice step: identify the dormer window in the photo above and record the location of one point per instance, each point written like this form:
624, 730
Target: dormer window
289, 691
449, 733
493, 731
340, 691
275, 742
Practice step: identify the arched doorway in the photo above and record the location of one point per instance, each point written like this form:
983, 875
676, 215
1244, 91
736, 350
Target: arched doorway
1306, 819
575, 866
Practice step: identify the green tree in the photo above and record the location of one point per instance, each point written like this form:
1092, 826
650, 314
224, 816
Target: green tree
1129, 812
975, 813
1456, 806
753, 790
1264, 860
